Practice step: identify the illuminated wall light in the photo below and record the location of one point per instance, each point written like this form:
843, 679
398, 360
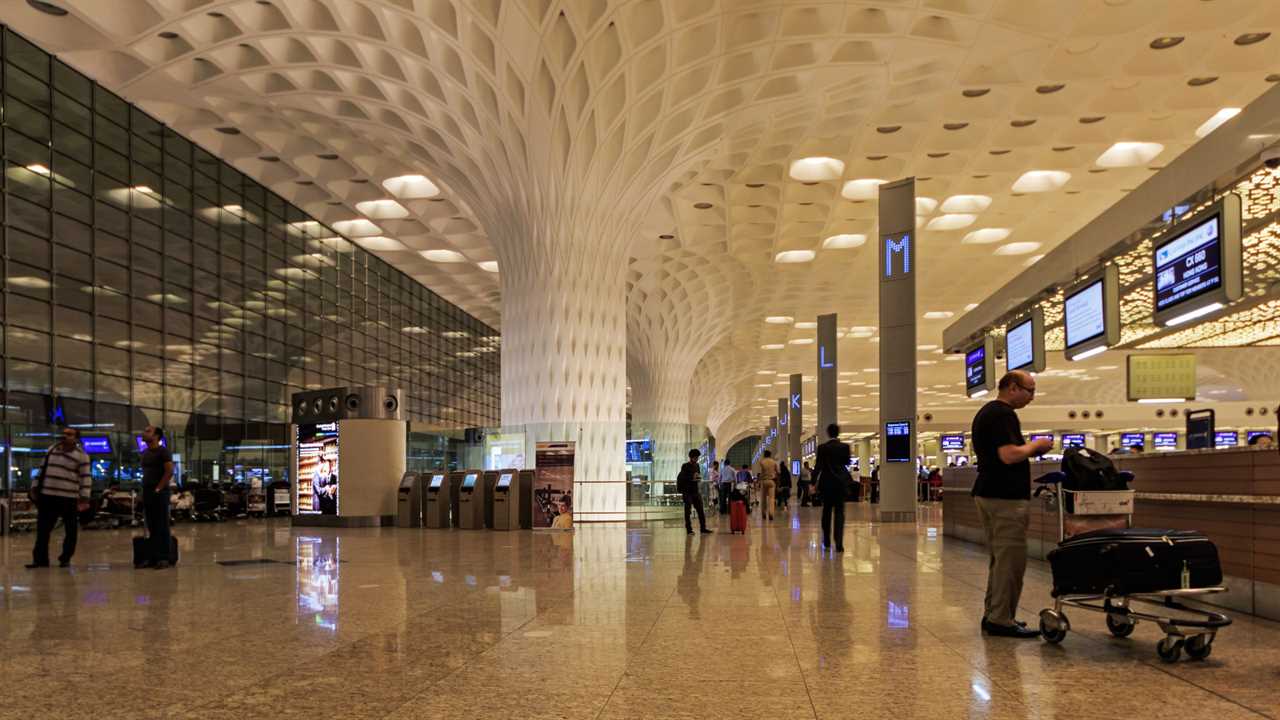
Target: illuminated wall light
1018, 248
1034, 181
966, 204
1129, 154
379, 242
787, 257
1216, 121
443, 256
952, 221
844, 241
382, 209
816, 169
411, 187
862, 189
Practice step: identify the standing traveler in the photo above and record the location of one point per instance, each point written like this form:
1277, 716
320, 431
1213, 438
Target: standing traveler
713, 480
804, 491
687, 484
1002, 493
727, 476
784, 486
832, 467
61, 491
768, 484
157, 472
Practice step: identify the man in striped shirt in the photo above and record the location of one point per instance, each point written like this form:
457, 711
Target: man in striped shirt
61, 491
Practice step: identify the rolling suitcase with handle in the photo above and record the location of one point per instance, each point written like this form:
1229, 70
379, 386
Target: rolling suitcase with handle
142, 550
1134, 561
738, 517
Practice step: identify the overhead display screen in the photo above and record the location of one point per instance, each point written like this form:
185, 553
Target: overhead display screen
1257, 433
953, 442
96, 445
1226, 439
1041, 436
1198, 268
1200, 424
1133, 440
975, 366
1072, 440
1165, 441
1085, 314
897, 441
1019, 352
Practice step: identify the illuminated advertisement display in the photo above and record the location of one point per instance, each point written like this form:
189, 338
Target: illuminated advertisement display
953, 442
1165, 441
317, 469
897, 441
639, 451
1072, 440
1257, 433
1129, 440
503, 451
975, 368
1226, 439
96, 445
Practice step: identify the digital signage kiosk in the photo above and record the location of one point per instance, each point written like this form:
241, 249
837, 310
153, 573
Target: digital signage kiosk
897, 439
436, 511
1091, 315
1199, 266
472, 497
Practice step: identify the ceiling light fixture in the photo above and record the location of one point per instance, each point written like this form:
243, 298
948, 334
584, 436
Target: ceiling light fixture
862, 189
1129, 154
779, 320
844, 241
358, 227
939, 315
788, 257
985, 236
47, 8
411, 187
382, 209
1216, 121
806, 325
772, 346
925, 205
443, 256
380, 243
488, 266
1018, 248
1166, 42
1251, 38
966, 204
1034, 181
816, 169
951, 221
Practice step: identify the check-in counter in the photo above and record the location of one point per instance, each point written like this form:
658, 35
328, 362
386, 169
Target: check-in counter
1231, 495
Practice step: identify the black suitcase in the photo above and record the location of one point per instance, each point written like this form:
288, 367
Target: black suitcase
1133, 560
142, 551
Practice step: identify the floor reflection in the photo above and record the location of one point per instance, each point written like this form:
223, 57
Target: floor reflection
317, 560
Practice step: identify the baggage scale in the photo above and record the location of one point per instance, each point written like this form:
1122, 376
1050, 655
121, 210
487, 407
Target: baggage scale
1186, 628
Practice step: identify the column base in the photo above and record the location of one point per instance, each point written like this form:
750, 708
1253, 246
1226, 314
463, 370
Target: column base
897, 516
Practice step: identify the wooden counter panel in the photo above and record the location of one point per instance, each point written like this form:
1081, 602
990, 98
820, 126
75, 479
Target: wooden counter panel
1266, 473
1223, 472
1266, 544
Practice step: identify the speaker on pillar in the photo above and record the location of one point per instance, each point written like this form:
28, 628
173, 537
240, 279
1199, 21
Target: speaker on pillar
319, 406
374, 403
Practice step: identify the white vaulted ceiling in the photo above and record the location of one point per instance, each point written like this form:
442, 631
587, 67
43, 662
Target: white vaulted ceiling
1020, 119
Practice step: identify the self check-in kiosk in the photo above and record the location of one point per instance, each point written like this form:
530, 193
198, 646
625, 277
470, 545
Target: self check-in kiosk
490, 482
513, 500
436, 509
473, 495
409, 502
455, 486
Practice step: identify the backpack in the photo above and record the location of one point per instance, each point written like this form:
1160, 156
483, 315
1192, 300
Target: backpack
1090, 470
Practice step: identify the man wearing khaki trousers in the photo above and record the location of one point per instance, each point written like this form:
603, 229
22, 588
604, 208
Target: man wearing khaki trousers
1002, 493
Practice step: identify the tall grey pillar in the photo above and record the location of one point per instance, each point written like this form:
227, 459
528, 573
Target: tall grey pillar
784, 432
771, 440
899, 258
795, 421
828, 376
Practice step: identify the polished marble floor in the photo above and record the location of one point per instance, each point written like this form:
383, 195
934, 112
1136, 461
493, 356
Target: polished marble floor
608, 622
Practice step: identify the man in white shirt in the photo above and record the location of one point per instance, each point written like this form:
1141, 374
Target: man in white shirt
61, 491
727, 476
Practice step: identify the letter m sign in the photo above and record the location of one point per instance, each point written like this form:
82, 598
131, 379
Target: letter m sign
897, 253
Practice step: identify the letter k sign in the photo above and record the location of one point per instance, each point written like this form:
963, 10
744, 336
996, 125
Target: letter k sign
795, 401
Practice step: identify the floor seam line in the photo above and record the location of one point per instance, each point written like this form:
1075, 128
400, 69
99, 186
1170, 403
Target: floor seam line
794, 652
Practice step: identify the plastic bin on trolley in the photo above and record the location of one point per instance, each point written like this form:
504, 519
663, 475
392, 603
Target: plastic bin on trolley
409, 502
438, 501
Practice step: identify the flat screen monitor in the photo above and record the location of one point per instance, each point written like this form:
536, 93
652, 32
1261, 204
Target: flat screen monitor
1200, 424
96, 444
1039, 436
1225, 438
1072, 440
1091, 315
1129, 440
639, 451
978, 368
469, 481
1198, 267
437, 481
1024, 343
897, 441
953, 442
504, 480
1164, 440
317, 469
141, 444
1258, 433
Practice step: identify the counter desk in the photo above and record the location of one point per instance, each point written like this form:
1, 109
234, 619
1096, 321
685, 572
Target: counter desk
1231, 495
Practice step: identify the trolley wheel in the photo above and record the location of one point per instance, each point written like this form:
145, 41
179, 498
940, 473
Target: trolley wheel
1053, 626
1120, 626
1199, 647
1169, 649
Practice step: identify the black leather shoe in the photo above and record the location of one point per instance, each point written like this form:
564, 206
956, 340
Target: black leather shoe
688, 532
64, 563
1019, 623
33, 566
839, 548
706, 531
1013, 631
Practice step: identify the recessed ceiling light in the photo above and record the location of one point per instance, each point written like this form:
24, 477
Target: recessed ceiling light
1041, 181
268, 158
925, 205
937, 155
47, 8
966, 204
794, 256
975, 92
985, 236
1216, 121
1251, 38
666, 237
1202, 81
779, 319
1049, 89
772, 346
999, 152
801, 341
951, 221
1166, 42
1273, 77
844, 241
379, 242
382, 209
359, 227
970, 306
443, 256
228, 130
168, 35
1033, 260
327, 156
862, 189
875, 158
488, 266
1129, 154
702, 206
1018, 248
806, 325
939, 315
926, 348
410, 187
816, 169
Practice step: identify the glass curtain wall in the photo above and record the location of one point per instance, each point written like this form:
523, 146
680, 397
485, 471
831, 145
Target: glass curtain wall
148, 282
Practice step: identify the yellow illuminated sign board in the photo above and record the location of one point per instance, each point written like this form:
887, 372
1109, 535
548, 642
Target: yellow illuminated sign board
1162, 377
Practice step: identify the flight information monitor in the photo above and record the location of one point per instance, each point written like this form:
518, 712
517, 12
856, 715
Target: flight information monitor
1165, 440
1024, 343
1257, 433
1091, 315
1072, 440
1226, 439
1133, 439
979, 367
1041, 436
96, 445
897, 441
953, 442
1198, 267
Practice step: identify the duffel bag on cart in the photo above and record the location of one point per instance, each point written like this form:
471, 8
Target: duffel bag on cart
1134, 561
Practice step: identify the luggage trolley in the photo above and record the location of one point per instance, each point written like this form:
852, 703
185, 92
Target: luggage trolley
1185, 628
